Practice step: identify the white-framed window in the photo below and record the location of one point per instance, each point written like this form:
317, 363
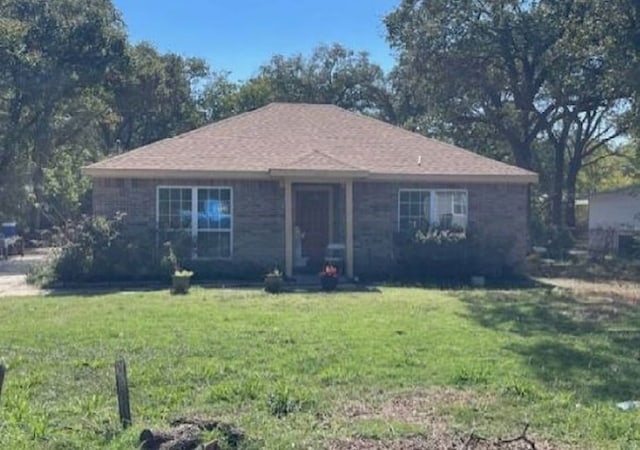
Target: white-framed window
419, 209
204, 212
414, 209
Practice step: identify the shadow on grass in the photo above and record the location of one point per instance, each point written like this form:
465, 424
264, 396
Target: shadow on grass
588, 345
503, 283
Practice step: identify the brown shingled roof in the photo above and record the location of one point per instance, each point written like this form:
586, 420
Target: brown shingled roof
303, 137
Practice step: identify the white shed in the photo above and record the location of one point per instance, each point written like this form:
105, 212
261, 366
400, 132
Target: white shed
613, 216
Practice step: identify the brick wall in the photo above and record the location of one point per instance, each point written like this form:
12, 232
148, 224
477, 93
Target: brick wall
258, 207
498, 211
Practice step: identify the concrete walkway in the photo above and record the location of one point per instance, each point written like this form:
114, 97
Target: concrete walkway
13, 273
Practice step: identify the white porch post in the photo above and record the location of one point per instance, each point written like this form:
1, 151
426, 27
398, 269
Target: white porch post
349, 227
288, 228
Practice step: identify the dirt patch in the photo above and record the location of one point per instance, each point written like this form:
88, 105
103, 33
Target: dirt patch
187, 434
425, 409
423, 443
598, 301
623, 291
422, 408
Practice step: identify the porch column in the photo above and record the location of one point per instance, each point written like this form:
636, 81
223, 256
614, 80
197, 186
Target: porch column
288, 228
348, 192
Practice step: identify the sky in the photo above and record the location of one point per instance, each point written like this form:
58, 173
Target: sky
240, 35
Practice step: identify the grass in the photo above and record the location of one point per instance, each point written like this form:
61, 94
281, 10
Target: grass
312, 370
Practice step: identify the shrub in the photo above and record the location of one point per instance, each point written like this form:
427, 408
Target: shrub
99, 249
449, 253
559, 240
102, 249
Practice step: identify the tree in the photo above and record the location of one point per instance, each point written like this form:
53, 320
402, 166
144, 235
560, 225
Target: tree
519, 71
51, 52
153, 97
334, 75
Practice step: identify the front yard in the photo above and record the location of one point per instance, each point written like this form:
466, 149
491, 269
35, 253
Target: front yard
390, 368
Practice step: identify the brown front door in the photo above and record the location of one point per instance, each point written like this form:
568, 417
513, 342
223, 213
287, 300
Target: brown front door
312, 218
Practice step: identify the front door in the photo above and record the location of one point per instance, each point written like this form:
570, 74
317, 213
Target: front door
312, 216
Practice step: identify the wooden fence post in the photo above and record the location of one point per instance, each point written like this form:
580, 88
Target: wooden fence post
2, 370
122, 388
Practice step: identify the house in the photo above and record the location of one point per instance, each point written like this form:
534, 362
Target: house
282, 184
614, 219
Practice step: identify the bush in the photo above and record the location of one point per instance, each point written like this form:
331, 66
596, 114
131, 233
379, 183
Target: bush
450, 254
101, 249
558, 241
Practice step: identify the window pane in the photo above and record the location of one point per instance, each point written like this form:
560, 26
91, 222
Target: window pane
163, 207
163, 221
214, 244
174, 208
426, 207
460, 203
414, 210
214, 213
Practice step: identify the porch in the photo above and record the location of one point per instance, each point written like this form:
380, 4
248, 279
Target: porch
318, 226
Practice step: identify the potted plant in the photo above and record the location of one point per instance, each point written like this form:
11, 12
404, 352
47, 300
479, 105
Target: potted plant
329, 278
181, 281
273, 281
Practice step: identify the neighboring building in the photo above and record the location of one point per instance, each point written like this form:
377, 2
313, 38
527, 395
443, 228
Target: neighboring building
614, 219
281, 184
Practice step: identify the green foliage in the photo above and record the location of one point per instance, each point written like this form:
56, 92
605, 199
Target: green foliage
53, 56
472, 375
559, 241
547, 85
285, 400
100, 249
450, 255
154, 97
331, 74
72, 89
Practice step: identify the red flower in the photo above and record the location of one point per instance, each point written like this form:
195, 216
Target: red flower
329, 271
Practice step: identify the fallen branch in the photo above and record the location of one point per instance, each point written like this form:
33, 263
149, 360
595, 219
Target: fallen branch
474, 440
522, 437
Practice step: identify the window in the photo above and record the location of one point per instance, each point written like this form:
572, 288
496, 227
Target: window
205, 213
414, 209
214, 223
419, 209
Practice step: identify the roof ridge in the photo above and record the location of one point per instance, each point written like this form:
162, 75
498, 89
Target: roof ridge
186, 133
419, 135
226, 120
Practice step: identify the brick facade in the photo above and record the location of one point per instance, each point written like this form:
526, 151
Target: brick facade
499, 211
258, 213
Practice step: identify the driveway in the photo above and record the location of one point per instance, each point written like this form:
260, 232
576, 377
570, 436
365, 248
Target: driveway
13, 273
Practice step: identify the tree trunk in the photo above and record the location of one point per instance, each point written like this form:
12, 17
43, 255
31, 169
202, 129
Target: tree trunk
558, 183
572, 181
43, 148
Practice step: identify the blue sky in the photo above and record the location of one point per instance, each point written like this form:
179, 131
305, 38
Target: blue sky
239, 35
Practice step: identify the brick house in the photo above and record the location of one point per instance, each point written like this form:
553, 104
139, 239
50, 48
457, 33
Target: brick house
287, 184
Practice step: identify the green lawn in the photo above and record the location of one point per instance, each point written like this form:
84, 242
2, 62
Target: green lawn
312, 370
